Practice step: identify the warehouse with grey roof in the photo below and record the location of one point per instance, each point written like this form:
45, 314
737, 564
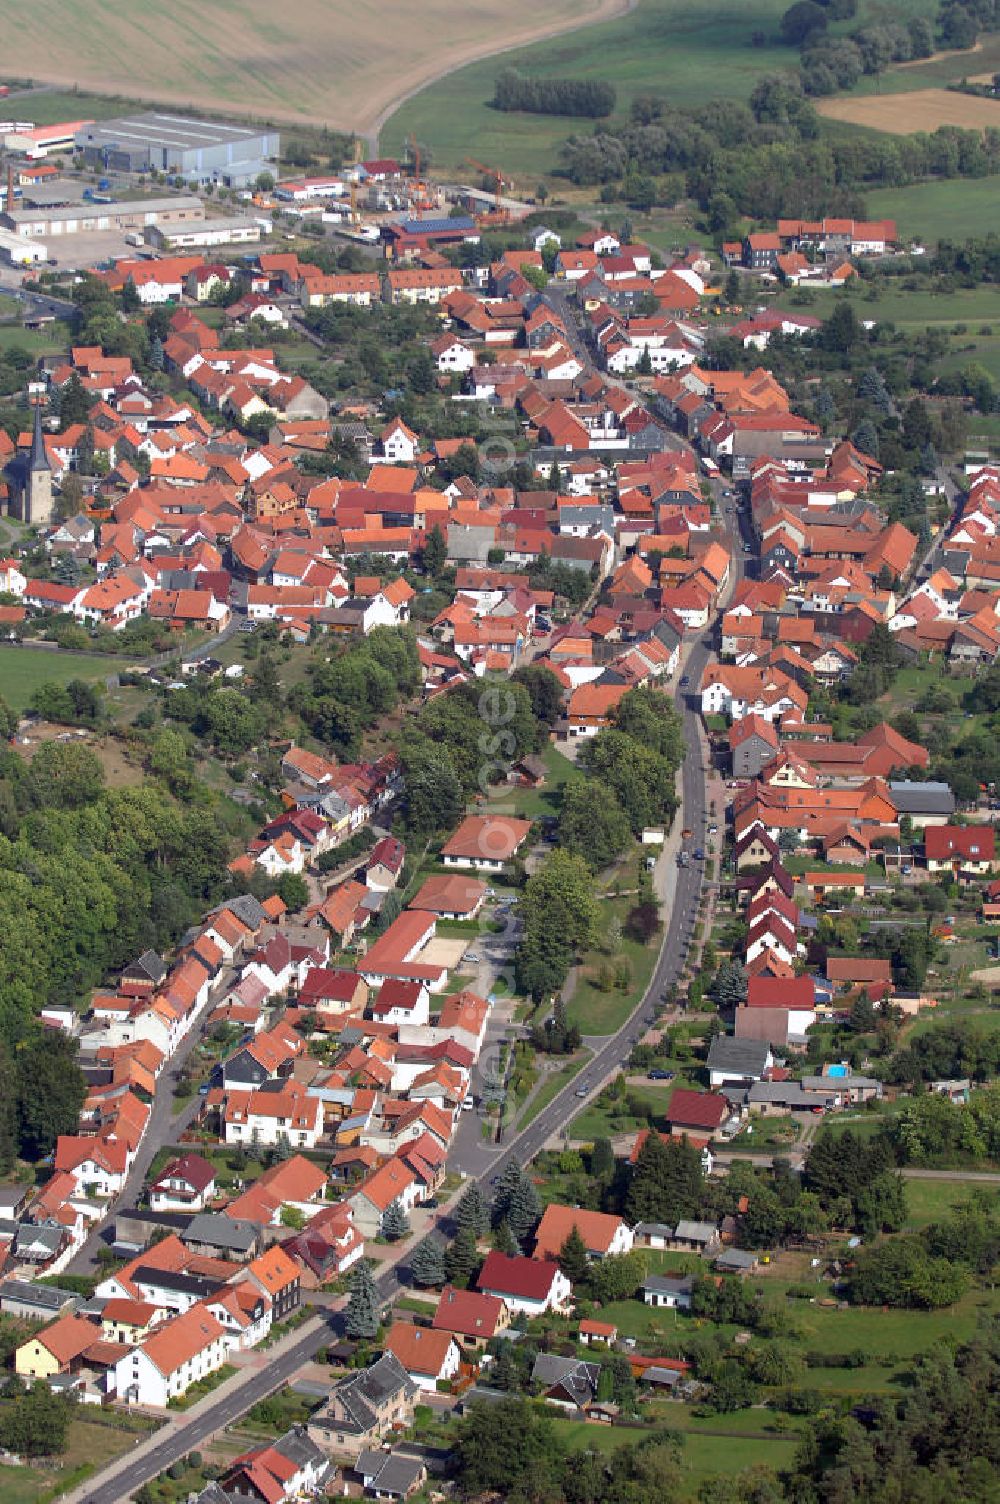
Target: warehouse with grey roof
208, 151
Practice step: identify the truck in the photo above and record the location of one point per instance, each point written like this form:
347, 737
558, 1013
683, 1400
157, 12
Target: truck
134, 237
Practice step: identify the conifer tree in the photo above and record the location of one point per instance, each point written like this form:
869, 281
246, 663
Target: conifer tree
394, 1223
361, 1314
573, 1259
427, 1263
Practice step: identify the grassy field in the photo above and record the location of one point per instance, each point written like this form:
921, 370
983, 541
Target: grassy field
977, 64
680, 49
22, 1485
601, 1120
913, 309
952, 208
601, 1011
51, 340
929, 1200
90, 1446
22, 670
212, 57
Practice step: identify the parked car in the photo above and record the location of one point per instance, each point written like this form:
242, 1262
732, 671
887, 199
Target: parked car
699, 855
659, 1075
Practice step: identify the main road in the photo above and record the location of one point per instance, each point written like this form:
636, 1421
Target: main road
154, 1456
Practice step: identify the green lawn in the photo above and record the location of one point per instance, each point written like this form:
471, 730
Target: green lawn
50, 340
918, 308
22, 1485
604, 1120
929, 1200
708, 1453
22, 670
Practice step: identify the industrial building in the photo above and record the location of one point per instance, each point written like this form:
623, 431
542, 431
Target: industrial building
203, 150
17, 250
84, 218
34, 141
206, 232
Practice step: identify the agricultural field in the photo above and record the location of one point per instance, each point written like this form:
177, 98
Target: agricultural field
916, 110
210, 57
952, 209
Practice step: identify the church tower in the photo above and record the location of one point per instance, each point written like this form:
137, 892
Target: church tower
39, 477
29, 481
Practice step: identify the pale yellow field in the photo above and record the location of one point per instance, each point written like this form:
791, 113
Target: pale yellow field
342, 63
919, 110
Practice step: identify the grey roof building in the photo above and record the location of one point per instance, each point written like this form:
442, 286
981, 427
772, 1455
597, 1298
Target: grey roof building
914, 798
577, 1380
389, 1474
222, 1237
737, 1261
21, 1297
365, 1405
731, 1059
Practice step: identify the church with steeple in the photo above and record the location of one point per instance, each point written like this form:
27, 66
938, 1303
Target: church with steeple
29, 480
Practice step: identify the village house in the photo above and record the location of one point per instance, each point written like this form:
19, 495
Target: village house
430, 1355
364, 1407
525, 1285
487, 842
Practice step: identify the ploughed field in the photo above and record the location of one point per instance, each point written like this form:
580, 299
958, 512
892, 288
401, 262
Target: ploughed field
341, 63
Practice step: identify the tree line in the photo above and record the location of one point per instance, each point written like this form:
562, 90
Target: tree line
832, 61
765, 158
553, 96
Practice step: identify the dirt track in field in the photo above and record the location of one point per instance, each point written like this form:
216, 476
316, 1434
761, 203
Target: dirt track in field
921, 110
347, 64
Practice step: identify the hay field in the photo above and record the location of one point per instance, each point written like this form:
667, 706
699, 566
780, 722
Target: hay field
341, 63
916, 110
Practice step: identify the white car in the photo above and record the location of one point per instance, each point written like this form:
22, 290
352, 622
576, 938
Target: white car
469, 1103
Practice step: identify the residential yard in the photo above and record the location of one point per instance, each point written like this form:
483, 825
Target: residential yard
929, 1200
534, 804
768, 1133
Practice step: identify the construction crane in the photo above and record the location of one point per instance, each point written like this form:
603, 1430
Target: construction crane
494, 175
